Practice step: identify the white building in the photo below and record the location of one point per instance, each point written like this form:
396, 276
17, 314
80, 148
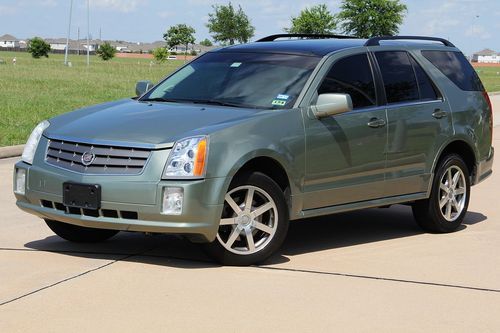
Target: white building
486, 56
9, 41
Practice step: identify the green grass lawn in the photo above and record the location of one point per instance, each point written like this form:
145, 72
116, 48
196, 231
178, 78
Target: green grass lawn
37, 89
490, 77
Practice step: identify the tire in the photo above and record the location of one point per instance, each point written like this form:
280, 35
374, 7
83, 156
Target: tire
77, 234
249, 236
445, 209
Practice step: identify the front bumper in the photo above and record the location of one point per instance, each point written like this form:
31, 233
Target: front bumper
129, 203
484, 168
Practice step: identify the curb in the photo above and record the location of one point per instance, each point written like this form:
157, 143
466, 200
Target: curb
11, 151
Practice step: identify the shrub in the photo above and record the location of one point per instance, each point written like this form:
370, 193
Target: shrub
106, 51
38, 48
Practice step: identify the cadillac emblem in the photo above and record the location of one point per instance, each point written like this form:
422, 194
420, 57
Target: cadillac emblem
88, 158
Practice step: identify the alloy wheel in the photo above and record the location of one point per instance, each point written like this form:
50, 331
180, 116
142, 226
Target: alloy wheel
452, 193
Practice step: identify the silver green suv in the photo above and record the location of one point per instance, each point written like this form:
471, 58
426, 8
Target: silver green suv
230, 147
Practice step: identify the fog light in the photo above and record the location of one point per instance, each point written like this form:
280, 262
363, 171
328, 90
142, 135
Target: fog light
20, 187
173, 198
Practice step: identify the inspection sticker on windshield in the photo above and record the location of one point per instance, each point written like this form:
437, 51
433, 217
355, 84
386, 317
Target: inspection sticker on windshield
281, 96
278, 102
236, 64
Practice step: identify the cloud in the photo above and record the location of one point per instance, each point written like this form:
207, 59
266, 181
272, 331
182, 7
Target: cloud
124, 6
6, 10
478, 31
166, 14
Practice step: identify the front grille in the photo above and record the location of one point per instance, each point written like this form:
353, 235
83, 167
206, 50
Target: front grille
108, 160
117, 214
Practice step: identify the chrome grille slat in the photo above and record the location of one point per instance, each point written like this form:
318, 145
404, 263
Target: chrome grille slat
108, 159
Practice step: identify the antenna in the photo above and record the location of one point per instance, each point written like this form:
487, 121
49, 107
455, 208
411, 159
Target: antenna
88, 33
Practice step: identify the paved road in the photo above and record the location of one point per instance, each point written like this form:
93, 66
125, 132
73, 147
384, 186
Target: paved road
372, 270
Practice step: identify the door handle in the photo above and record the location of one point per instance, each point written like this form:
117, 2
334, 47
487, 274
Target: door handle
376, 123
438, 114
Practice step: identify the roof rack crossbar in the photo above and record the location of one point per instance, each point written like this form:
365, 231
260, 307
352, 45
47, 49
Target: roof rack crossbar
375, 41
306, 36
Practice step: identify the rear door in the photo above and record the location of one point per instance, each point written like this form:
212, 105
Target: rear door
419, 120
345, 159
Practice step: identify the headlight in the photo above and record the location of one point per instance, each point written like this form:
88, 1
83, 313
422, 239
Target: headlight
187, 159
32, 143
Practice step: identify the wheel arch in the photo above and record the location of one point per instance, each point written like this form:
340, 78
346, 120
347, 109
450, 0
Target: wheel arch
462, 148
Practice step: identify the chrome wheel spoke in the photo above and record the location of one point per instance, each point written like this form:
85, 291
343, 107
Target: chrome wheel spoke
456, 177
234, 206
455, 204
262, 209
262, 227
232, 238
249, 200
448, 210
250, 242
444, 188
449, 177
459, 191
443, 202
228, 221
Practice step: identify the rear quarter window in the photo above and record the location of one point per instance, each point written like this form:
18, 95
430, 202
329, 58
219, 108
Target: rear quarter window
454, 65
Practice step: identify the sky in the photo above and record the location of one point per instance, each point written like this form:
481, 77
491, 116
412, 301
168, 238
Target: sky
472, 25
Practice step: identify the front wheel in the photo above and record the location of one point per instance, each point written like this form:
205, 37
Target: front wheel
445, 210
254, 221
77, 234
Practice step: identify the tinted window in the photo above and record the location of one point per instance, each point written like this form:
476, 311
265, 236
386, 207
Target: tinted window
456, 68
425, 86
399, 79
353, 76
253, 80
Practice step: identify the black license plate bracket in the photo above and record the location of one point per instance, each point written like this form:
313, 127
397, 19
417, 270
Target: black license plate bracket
86, 196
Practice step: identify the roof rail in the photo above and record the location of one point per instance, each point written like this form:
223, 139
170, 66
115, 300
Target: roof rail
374, 41
305, 36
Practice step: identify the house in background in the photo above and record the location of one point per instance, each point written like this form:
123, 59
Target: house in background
486, 56
9, 41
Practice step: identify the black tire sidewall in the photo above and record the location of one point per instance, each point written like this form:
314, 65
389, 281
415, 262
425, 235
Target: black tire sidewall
262, 181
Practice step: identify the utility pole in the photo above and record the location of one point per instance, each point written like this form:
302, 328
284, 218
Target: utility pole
78, 41
88, 33
69, 32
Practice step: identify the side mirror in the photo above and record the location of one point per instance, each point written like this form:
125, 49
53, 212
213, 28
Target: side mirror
142, 86
332, 104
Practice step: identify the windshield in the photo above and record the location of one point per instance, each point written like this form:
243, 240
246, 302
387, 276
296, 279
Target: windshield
252, 80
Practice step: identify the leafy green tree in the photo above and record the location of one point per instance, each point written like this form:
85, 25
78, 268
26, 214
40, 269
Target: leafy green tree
314, 20
160, 54
369, 18
180, 34
106, 51
228, 25
38, 48
206, 42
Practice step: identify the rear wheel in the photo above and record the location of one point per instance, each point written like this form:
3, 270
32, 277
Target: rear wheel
77, 234
254, 221
445, 210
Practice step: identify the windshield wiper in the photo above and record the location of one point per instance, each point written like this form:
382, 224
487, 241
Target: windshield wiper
221, 103
160, 99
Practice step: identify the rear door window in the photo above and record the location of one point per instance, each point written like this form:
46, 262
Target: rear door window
398, 76
351, 75
426, 88
454, 65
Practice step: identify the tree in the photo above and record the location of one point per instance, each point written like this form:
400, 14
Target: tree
314, 20
106, 51
369, 18
206, 42
227, 25
180, 34
38, 48
160, 54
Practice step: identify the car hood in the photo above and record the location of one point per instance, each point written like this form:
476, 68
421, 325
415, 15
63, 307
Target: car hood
142, 124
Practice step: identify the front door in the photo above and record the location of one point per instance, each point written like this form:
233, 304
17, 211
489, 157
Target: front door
345, 153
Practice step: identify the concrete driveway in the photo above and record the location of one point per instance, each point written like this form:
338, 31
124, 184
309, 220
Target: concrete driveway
372, 270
